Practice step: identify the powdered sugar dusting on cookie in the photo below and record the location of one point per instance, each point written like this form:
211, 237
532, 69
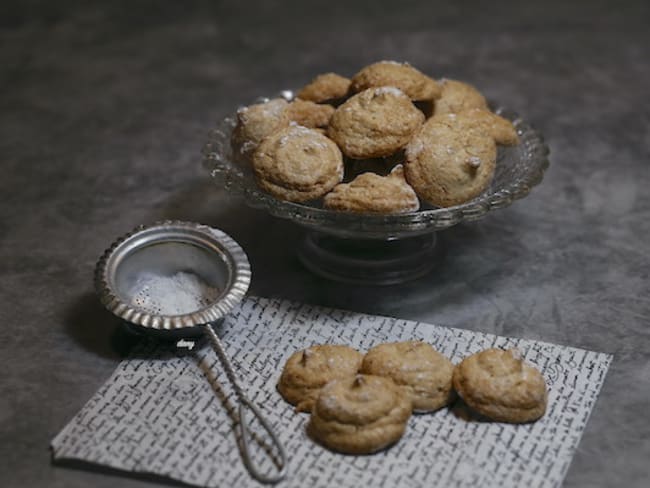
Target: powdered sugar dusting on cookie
411, 367
473, 161
382, 90
331, 362
242, 115
273, 108
247, 147
319, 144
328, 401
298, 131
414, 149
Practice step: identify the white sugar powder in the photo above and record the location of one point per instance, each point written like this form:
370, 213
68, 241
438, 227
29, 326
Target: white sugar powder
178, 294
474, 161
247, 147
300, 129
414, 149
389, 89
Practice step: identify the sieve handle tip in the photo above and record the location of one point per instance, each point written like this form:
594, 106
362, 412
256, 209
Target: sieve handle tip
280, 462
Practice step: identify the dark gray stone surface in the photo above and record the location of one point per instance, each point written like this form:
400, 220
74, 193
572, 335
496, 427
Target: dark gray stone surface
103, 111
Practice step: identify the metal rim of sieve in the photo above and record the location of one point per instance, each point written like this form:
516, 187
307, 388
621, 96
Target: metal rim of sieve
210, 239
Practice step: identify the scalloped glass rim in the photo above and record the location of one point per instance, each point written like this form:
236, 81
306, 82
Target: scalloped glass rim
528, 160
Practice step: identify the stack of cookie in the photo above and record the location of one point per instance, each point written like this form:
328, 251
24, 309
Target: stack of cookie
382, 142
361, 404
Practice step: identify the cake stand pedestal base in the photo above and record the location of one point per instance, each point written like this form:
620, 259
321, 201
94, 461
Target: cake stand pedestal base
368, 261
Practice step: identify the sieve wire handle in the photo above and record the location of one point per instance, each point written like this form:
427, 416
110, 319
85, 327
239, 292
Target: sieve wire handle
244, 404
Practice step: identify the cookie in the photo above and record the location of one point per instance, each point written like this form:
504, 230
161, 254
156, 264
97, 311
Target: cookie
309, 114
297, 164
359, 415
416, 85
423, 372
446, 166
457, 96
501, 130
374, 123
325, 87
371, 193
501, 386
307, 371
256, 122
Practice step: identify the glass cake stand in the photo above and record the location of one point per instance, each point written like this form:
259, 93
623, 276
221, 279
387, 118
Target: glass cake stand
379, 249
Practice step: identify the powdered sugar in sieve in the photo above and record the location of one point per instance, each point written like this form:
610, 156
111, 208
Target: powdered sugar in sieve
178, 294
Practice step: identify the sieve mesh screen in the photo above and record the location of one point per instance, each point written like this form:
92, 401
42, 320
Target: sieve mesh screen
178, 294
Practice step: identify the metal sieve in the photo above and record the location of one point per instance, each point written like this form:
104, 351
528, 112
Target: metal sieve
178, 280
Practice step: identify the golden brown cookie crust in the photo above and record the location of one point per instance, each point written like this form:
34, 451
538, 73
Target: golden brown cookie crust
309, 114
374, 123
256, 122
297, 164
423, 372
371, 193
412, 82
457, 96
500, 129
360, 415
501, 386
446, 166
307, 371
325, 87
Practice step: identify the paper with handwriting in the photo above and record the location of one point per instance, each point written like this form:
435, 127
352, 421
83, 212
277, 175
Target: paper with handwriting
171, 412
